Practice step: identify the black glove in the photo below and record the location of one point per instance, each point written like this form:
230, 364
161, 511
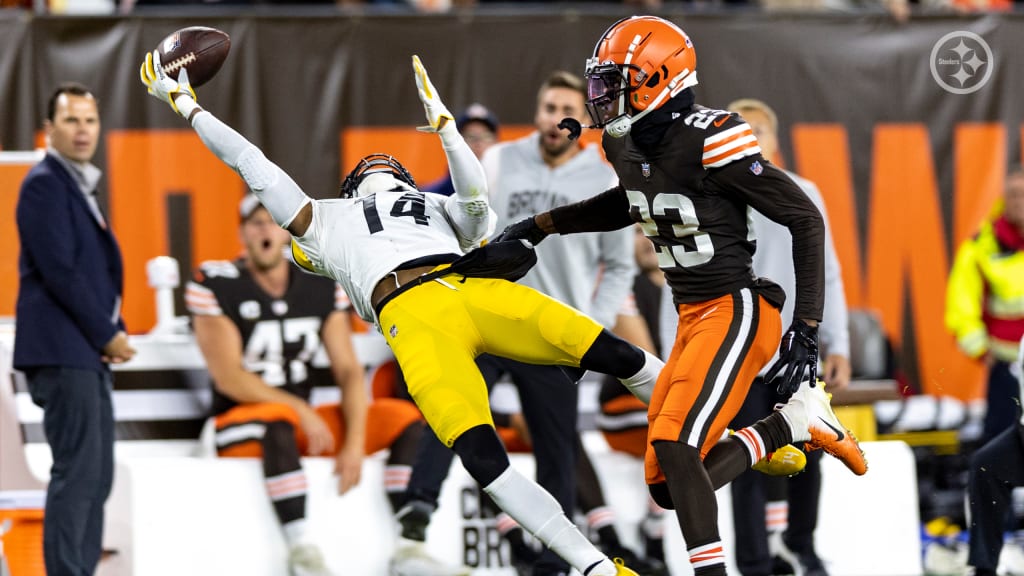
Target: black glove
525, 229
797, 352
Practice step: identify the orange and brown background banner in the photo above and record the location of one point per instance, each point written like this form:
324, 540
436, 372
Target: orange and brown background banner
907, 167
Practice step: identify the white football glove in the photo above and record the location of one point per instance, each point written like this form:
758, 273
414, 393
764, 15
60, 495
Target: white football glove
165, 88
439, 119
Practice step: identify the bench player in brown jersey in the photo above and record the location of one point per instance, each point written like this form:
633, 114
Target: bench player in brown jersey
260, 323
688, 174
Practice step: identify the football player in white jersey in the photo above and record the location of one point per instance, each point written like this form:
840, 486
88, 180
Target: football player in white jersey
399, 254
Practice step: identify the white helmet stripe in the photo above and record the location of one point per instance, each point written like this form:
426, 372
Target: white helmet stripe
624, 83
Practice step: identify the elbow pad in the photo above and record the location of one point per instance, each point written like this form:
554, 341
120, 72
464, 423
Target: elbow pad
276, 190
278, 193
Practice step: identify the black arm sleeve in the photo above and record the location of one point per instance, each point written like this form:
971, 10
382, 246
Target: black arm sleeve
775, 195
608, 210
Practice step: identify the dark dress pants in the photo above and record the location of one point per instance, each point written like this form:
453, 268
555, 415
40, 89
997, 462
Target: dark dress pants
995, 470
78, 420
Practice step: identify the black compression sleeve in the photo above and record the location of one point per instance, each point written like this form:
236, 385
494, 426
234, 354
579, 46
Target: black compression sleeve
608, 210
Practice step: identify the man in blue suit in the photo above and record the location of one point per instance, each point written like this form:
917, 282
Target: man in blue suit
69, 328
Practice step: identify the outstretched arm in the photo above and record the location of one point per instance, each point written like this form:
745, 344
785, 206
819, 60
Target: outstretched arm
286, 202
467, 209
607, 211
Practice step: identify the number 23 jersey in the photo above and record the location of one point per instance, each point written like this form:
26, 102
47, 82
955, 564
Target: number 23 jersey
691, 194
280, 336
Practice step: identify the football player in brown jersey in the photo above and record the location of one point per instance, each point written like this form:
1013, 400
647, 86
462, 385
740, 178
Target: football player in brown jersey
688, 174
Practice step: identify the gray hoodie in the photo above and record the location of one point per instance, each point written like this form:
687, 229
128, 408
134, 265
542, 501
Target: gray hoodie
592, 272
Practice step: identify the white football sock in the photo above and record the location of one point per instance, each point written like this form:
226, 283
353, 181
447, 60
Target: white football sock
295, 532
642, 383
539, 513
795, 413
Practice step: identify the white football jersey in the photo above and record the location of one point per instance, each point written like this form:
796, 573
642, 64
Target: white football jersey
358, 241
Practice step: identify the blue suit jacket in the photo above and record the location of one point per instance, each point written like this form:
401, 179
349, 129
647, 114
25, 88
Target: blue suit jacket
70, 274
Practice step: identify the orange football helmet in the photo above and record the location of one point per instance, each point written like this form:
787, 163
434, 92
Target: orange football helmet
638, 64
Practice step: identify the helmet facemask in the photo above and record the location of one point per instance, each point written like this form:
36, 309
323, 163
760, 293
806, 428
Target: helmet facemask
375, 164
638, 65
607, 89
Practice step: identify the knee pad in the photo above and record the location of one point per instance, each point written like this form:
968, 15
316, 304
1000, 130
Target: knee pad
482, 453
566, 333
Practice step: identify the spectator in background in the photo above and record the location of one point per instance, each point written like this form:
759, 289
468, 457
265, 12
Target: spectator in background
773, 259
898, 9
985, 301
479, 128
259, 324
69, 327
996, 469
590, 272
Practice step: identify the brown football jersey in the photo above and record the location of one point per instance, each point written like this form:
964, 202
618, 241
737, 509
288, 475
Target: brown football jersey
280, 336
691, 195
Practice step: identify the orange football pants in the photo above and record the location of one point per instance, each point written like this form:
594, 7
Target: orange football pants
386, 419
720, 347
632, 440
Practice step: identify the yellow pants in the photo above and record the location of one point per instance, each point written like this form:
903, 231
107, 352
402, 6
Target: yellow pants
437, 330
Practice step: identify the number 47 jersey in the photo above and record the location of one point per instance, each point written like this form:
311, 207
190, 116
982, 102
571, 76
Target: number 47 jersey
280, 336
359, 241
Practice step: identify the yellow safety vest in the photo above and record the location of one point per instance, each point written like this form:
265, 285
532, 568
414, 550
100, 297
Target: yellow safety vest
985, 294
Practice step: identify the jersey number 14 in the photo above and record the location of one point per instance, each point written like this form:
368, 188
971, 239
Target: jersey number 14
411, 204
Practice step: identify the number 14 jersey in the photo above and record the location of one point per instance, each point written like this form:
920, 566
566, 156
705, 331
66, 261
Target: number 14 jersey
359, 241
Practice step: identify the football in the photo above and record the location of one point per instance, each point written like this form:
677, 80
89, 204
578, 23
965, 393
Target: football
198, 49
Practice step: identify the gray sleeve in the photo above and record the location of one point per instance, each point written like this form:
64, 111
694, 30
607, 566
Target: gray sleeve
668, 322
281, 196
834, 331
618, 257
467, 209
